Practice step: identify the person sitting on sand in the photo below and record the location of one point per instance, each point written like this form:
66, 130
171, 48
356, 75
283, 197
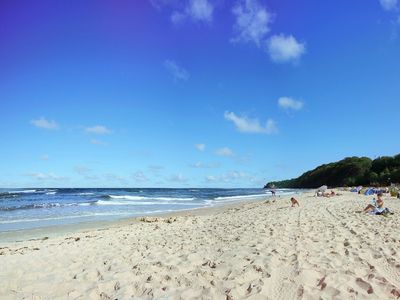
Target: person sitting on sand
294, 202
376, 207
333, 193
322, 194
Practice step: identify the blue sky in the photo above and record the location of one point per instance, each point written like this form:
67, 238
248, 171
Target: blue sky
193, 93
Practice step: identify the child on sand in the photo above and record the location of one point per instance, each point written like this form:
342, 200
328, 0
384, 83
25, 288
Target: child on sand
294, 202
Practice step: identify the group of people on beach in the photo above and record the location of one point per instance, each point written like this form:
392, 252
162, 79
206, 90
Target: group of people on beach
292, 200
376, 207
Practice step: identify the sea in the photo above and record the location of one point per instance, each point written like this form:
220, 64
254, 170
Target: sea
32, 208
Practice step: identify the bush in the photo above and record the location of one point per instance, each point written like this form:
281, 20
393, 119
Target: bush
393, 192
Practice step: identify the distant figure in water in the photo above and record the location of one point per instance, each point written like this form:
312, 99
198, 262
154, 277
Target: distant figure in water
272, 192
294, 202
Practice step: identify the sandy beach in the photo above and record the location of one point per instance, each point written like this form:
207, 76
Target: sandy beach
324, 249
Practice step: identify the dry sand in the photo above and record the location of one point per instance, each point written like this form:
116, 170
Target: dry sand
323, 249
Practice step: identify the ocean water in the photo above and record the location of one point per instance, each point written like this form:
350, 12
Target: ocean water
34, 208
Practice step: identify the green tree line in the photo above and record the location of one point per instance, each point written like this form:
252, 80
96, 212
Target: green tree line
351, 171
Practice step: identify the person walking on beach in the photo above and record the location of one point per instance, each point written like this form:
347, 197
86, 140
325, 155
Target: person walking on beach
294, 202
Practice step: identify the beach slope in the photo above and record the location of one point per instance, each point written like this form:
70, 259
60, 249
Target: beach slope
323, 249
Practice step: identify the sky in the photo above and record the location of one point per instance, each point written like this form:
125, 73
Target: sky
193, 93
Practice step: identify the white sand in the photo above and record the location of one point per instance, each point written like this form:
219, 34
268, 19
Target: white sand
259, 250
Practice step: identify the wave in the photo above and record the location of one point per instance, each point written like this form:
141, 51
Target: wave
30, 206
241, 197
96, 202
108, 202
18, 193
64, 217
22, 192
280, 192
141, 198
45, 205
85, 194
7, 195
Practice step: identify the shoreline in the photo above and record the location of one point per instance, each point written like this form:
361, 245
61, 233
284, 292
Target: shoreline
325, 248
22, 235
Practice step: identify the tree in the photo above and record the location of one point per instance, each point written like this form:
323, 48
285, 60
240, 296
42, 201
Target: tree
348, 172
373, 178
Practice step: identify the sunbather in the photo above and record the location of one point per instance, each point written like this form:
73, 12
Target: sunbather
376, 207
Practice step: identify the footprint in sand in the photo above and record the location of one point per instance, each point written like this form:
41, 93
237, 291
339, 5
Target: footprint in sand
364, 285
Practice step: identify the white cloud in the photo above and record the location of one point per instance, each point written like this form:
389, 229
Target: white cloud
211, 178
290, 103
98, 129
388, 5
283, 48
139, 177
252, 21
177, 17
225, 151
177, 178
200, 147
38, 175
176, 71
195, 10
200, 10
45, 124
246, 125
252, 24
